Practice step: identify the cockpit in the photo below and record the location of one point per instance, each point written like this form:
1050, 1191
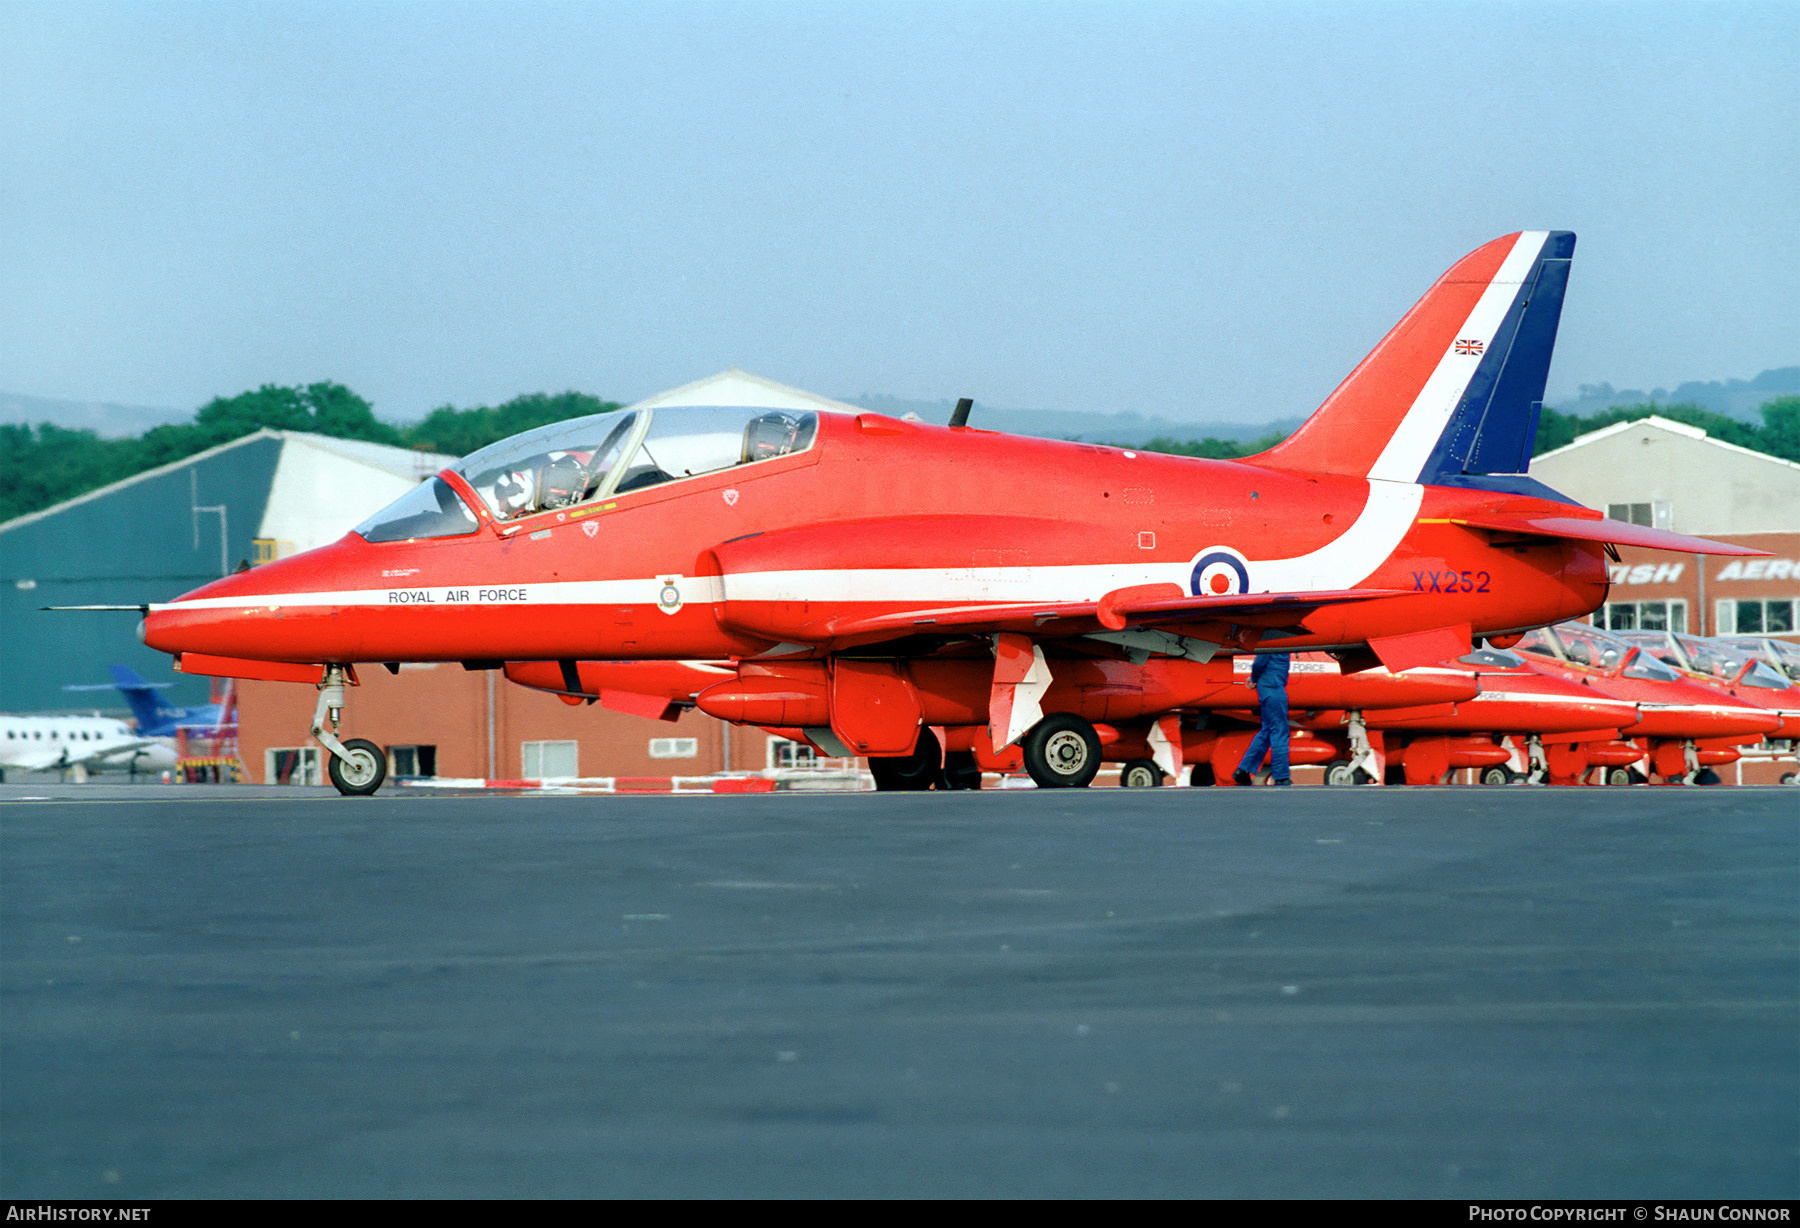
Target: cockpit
1723, 660
1582, 644
584, 459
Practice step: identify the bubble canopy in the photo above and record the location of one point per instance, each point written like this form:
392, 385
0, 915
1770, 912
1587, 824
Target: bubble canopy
583, 459
1588, 645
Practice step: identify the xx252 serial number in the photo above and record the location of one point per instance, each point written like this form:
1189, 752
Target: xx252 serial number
1451, 581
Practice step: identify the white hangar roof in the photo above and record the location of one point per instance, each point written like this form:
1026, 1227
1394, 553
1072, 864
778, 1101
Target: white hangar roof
735, 387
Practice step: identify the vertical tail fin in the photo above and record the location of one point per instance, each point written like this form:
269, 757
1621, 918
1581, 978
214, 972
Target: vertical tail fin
141, 696
1456, 388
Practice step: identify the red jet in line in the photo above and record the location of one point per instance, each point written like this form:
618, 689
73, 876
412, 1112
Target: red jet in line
1152, 750
871, 577
1558, 723
1684, 726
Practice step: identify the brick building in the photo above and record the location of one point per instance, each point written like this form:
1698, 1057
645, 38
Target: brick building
1673, 476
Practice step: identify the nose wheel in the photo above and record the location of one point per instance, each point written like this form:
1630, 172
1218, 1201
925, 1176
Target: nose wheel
360, 770
358, 766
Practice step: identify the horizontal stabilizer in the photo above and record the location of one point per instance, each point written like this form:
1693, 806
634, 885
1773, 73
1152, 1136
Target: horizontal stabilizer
1612, 532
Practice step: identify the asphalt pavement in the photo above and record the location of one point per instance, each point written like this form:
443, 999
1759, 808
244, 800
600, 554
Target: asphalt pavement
1459, 993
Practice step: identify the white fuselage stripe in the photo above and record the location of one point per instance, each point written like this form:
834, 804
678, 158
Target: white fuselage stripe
1344, 562
1412, 442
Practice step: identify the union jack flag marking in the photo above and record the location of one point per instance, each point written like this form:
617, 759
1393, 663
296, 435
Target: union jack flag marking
1465, 345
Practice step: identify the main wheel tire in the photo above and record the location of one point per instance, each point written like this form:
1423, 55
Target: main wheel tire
1062, 752
912, 773
1338, 774
364, 770
1498, 774
961, 771
1617, 776
1140, 774
1708, 777
1201, 776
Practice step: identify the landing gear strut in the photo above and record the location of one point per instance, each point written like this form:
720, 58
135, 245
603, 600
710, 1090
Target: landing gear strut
1365, 768
358, 766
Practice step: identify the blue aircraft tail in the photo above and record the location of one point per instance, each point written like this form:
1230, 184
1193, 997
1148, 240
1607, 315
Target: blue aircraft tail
1495, 423
141, 696
1451, 396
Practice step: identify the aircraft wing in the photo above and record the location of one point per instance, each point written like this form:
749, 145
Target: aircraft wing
1151, 605
35, 760
125, 752
109, 752
1610, 532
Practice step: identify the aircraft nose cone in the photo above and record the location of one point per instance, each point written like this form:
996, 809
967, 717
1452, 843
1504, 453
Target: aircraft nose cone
249, 614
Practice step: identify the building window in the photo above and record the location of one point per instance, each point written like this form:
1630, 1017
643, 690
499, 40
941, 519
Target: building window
412, 760
1657, 515
292, 765
674, 748
548, 760
1757, 617
787, 756
1643, 616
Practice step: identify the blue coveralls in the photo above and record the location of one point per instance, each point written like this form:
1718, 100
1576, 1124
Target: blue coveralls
1269, 673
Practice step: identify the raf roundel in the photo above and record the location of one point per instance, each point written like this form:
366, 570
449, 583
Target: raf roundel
1220, 572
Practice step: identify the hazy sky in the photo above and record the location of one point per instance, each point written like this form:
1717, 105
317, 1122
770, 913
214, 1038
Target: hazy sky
1195, 210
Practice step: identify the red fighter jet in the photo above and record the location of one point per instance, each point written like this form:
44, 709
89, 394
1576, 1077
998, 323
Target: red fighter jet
871, 577
1747, 669
1736, 668
1683, 727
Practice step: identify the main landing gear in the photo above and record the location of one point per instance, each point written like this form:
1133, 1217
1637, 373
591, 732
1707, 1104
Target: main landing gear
928, 767
912, 773
1061, 752
1140, 774
358, 766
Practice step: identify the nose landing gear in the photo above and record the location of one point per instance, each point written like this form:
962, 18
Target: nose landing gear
358, 766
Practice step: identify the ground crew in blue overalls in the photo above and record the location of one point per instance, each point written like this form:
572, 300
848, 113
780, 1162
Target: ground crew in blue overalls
1269, 674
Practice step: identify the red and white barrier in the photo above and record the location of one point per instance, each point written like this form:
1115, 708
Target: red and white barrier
799, 782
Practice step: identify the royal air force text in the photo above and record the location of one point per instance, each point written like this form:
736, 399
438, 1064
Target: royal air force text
456, 596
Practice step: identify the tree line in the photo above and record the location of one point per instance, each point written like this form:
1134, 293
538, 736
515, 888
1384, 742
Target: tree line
43, 465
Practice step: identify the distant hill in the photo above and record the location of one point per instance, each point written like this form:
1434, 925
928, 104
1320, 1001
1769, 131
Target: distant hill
105, 419
1128, 429
1735, 398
